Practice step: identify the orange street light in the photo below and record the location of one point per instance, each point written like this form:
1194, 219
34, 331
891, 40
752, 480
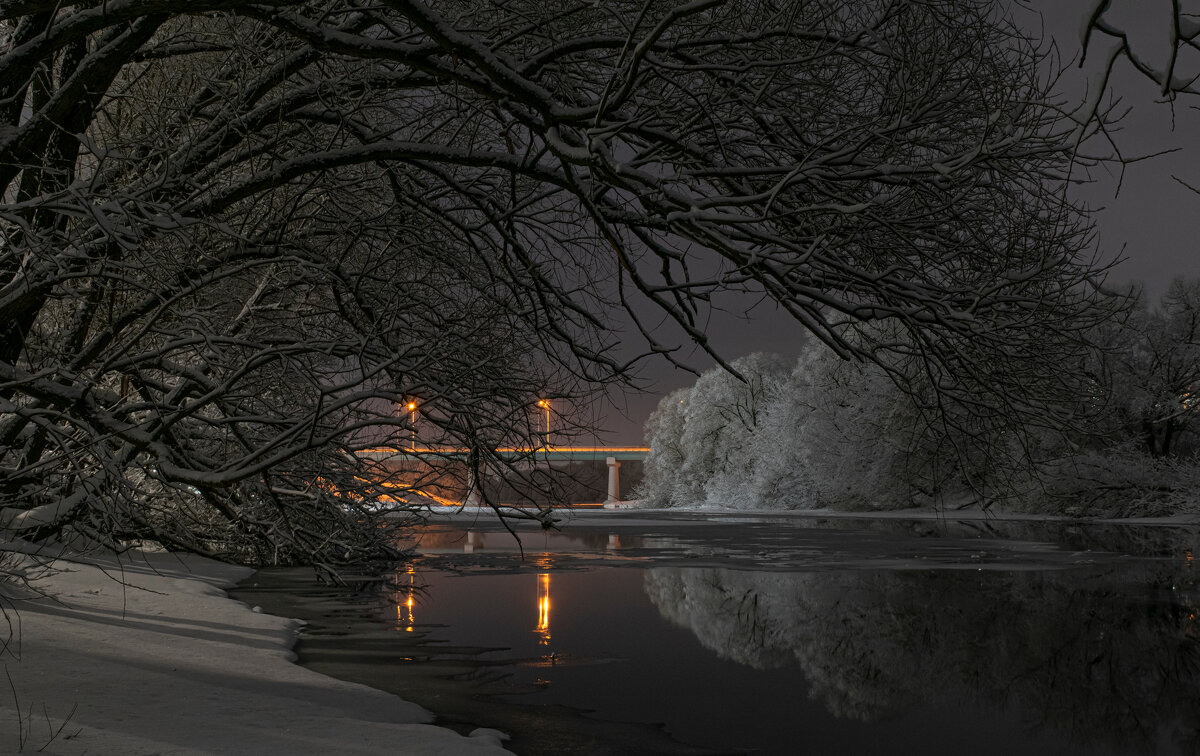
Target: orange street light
545, 404
412, 410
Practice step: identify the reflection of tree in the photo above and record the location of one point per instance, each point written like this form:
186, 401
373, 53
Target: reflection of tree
433, 539
1115, 659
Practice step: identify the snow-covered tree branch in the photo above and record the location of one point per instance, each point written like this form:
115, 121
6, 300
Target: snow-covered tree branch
234, 235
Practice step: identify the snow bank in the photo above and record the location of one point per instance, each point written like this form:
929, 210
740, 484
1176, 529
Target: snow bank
146, 655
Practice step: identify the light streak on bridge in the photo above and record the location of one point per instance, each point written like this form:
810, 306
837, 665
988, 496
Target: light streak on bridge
549, 454
612, 455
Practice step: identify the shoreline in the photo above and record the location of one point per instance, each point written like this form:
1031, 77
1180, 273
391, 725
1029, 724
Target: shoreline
146, 654
919, 514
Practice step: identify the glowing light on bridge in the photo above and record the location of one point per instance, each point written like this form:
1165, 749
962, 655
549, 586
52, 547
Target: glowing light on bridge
412, 421
462, 451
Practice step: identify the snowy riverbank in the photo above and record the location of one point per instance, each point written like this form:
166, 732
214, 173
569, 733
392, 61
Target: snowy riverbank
147, 655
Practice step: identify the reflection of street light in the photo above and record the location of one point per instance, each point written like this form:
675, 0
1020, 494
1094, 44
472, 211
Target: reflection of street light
543, 603
407, 603
412, 411
545, 404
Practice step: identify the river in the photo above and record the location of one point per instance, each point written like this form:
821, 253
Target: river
663, 633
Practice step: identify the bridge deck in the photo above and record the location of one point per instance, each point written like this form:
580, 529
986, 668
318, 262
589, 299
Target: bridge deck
553, 454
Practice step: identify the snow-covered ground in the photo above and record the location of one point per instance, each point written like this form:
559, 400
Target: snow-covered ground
147, 655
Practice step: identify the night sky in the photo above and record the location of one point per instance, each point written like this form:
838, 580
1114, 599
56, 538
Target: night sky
1145, 214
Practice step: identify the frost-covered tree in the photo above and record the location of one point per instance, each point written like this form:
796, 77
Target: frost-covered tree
723, 421
665, 483
1153, 369
859, 441
826, 432
235, 235
1136, 455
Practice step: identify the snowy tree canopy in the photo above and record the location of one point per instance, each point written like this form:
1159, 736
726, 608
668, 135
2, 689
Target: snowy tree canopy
822, 432
832, 433
1151, 369
233, 235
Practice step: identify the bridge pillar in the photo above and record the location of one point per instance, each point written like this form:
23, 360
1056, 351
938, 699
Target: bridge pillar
474, 540
472, 499
614, 481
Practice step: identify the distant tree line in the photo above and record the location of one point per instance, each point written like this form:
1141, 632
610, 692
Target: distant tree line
822, 432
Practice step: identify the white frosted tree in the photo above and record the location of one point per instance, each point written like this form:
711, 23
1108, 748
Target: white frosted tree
859, 439
724, 417
664, 482
704, 440
827, 432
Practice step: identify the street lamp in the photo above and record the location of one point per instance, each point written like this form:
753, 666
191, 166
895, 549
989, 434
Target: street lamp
412, 420
545, 404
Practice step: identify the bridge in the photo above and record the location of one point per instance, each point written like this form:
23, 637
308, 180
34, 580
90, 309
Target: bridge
612, 455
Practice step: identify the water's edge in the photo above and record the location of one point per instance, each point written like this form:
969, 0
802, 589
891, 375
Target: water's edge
342, 639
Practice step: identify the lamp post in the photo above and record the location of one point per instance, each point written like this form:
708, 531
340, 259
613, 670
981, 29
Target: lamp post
545, 404
412, 420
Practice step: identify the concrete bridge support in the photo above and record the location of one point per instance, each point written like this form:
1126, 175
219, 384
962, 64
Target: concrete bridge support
614, 481
472, 499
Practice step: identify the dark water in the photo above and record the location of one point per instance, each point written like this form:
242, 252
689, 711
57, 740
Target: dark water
781, 635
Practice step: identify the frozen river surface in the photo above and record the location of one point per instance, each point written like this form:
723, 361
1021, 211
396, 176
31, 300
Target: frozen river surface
661, 633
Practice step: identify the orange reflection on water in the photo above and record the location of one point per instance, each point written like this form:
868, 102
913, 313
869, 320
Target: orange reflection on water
543, 602
406, 605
